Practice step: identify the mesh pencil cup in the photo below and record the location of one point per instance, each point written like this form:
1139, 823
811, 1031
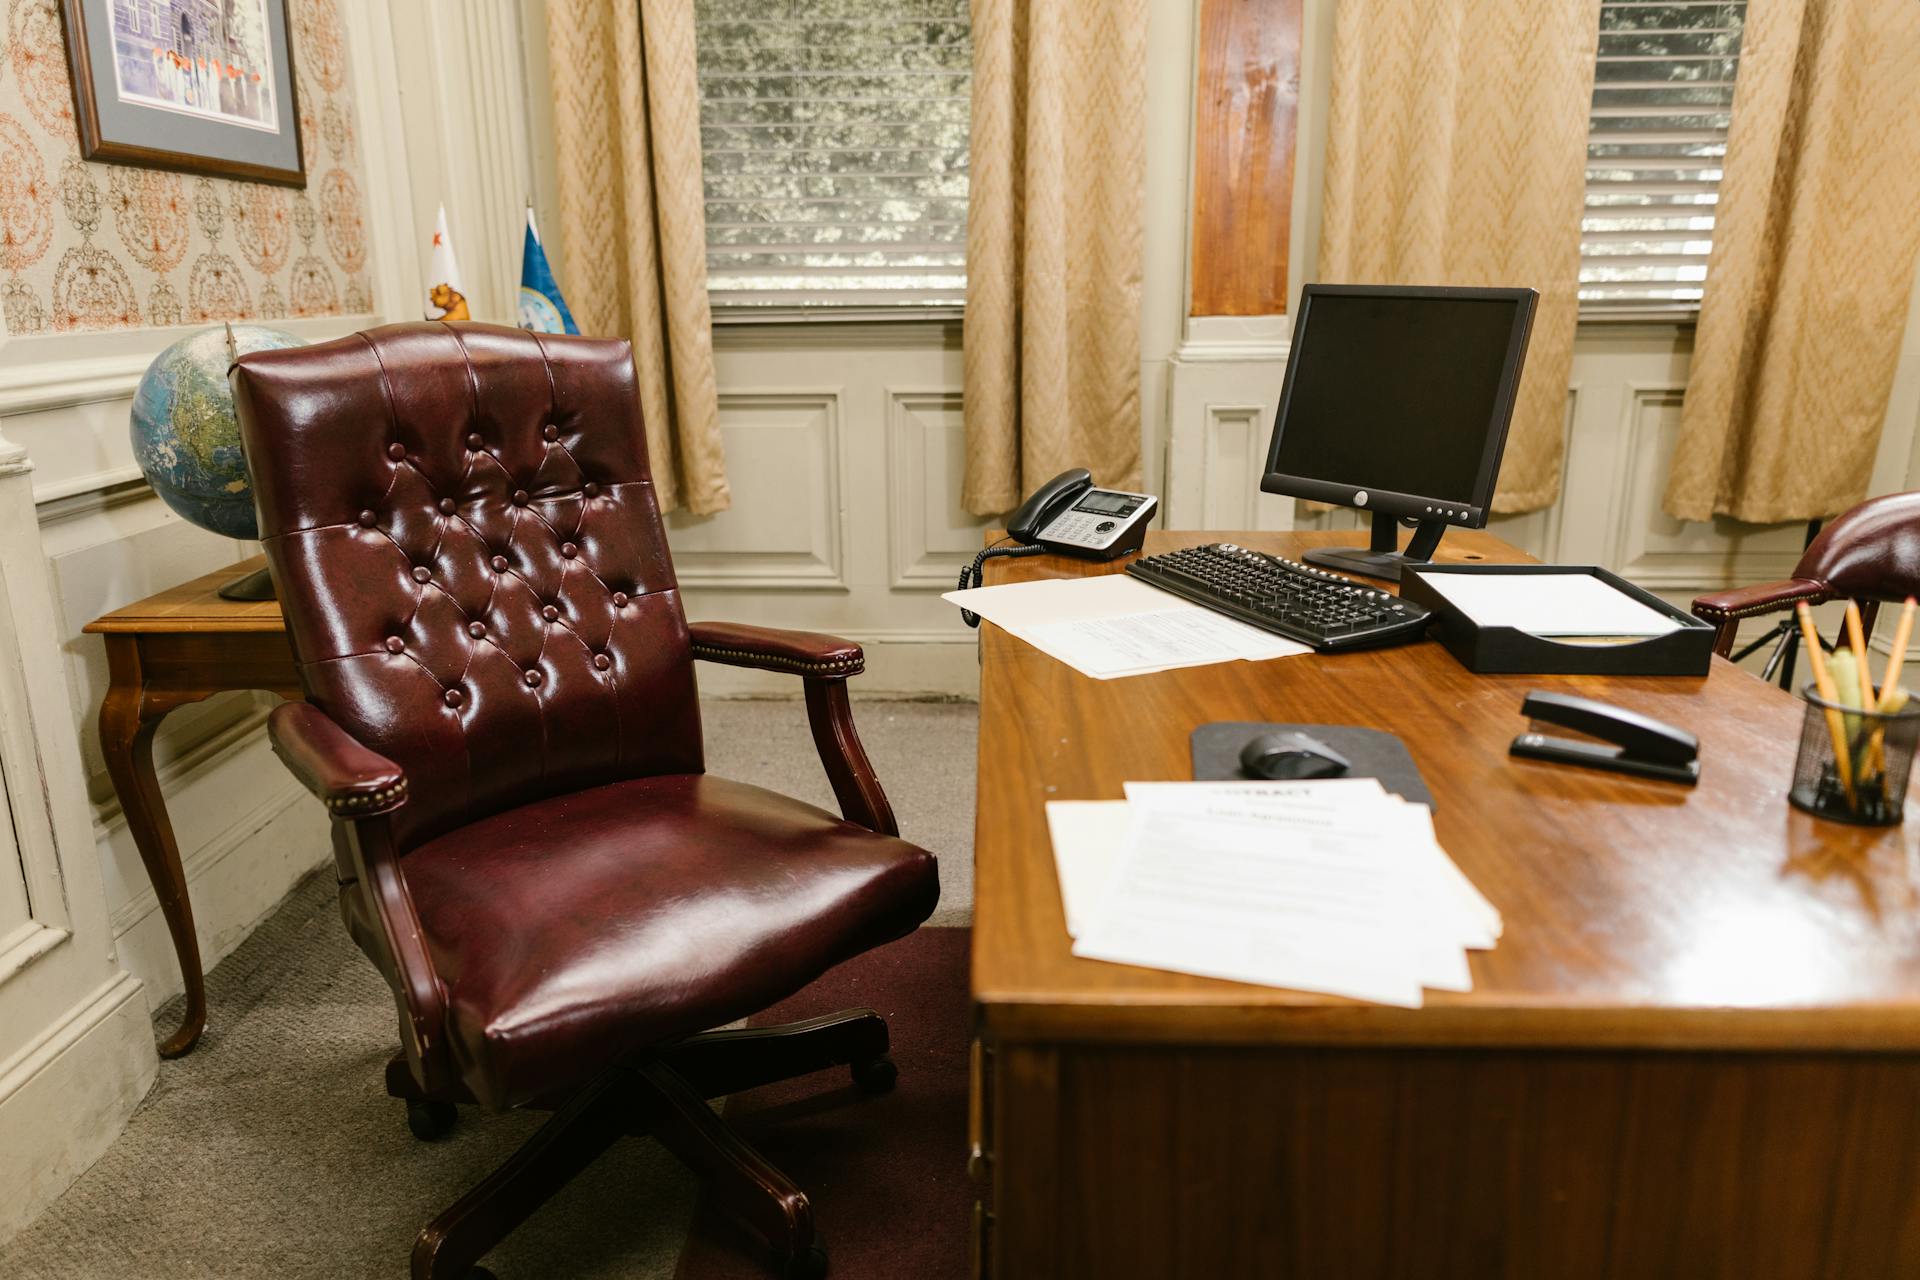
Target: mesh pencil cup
1853, 765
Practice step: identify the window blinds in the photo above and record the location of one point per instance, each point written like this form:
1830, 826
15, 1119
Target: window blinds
835, 141
1662, 96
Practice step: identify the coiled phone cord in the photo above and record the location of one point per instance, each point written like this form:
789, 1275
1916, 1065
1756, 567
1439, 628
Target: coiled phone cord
971, 575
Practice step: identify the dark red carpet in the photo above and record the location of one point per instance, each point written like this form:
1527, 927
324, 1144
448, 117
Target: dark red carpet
887, 1175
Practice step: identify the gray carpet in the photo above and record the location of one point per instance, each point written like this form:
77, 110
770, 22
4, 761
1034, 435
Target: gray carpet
273, 1150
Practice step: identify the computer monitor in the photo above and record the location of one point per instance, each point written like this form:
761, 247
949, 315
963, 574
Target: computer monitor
1397, 401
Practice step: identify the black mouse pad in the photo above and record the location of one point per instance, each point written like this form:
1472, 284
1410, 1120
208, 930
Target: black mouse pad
1374, 753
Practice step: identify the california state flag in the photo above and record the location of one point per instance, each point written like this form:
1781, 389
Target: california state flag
446, 296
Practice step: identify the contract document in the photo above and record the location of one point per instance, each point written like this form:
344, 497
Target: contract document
1112, 625
1332, 886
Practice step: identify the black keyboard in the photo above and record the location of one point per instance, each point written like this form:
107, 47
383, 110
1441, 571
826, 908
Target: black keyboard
1330, 612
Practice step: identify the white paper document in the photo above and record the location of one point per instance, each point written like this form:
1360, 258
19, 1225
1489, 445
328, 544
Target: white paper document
1088, 836
1113, 625
1549, 604
1332, 886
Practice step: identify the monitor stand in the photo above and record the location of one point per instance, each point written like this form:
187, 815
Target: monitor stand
1384, 558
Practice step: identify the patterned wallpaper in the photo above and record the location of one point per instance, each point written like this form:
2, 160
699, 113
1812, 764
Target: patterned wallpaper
97, 246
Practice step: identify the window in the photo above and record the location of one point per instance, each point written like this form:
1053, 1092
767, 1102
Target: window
835, 141
1655, 145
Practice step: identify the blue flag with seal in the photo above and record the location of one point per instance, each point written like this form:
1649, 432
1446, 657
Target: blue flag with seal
542, 309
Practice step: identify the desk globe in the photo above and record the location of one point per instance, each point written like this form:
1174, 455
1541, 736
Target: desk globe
187, 441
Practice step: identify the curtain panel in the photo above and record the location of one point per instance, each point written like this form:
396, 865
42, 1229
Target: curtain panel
626, 124
1057, 163
1456, 155
1812, 264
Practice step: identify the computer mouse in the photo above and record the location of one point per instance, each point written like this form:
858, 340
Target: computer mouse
1291, 757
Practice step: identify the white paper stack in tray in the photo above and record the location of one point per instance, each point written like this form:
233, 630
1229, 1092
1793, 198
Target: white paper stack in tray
1335, 886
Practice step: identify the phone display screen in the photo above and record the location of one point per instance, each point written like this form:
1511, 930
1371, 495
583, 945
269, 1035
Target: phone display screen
1101, 503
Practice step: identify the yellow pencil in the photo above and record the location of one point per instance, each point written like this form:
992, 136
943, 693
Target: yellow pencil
1817, 659
1857, 641
1898, 657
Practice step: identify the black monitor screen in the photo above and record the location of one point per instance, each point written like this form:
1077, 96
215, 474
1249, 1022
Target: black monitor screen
1396, 392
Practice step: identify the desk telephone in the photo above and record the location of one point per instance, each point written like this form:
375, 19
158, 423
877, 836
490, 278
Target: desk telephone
1069, 515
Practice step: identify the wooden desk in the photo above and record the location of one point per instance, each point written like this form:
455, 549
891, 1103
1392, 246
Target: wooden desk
184, 645
1695, 1053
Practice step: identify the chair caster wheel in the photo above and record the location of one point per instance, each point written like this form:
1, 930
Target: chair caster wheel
877, 1075
430, 1121
808, 1264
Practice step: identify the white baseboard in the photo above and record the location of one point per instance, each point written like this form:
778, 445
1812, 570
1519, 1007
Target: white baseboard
67, 1096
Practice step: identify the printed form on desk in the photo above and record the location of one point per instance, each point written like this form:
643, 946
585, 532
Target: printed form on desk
1111, 625
1335, 886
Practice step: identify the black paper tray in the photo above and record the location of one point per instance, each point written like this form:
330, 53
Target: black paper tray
1508, 651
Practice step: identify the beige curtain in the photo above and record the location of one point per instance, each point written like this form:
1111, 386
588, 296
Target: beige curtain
626, 126
1456, 154
1813, 259
1052, 341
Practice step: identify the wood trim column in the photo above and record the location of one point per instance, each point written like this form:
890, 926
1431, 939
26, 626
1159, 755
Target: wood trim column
1248, 95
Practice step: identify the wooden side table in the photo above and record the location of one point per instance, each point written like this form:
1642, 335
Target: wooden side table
181, 646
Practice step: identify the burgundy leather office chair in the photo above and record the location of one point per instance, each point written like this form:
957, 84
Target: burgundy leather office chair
501, 718
1870, 553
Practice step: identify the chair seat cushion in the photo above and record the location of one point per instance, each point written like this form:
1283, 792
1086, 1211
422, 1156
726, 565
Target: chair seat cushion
576, 930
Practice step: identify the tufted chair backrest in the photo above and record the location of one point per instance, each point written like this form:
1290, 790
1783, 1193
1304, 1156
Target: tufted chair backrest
1871, 552
464, 535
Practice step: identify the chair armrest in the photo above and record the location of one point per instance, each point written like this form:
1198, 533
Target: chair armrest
1768, 597
801, 653
1724, 609
361, 784
352, 781
825, 662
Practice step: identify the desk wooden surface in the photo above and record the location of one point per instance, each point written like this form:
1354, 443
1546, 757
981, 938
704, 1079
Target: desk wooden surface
1638, 913
1695, 1053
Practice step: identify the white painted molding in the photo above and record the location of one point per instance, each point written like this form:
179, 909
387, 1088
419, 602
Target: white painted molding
57, 1037
13, 457
914, 562
59, 370
1235, 340
203, 859
64, 1099
25, 945
181, 771
1679, 572
770, 567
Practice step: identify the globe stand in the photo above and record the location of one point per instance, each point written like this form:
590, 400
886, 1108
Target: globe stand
255, 586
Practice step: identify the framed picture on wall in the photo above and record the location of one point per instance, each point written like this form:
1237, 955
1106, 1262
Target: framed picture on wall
201, 86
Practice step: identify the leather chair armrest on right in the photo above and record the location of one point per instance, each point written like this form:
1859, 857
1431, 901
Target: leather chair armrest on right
800, 653
1725, 609
351, 780
824, 663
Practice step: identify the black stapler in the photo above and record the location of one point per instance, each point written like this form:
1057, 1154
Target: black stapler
1648, 747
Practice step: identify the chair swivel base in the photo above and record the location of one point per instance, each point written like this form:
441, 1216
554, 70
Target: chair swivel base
662, 1095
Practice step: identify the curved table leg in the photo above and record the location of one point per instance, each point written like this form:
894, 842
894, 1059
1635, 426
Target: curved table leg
128, 719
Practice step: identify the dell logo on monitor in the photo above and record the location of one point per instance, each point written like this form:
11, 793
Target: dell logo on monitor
1360, 498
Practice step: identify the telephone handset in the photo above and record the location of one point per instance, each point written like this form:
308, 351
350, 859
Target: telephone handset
1069, 515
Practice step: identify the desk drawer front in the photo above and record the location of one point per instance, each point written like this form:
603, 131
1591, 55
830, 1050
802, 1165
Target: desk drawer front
1443, 1165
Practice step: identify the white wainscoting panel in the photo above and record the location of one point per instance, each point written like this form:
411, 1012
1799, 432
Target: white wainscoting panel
784, 531
1665, 554
932, 534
